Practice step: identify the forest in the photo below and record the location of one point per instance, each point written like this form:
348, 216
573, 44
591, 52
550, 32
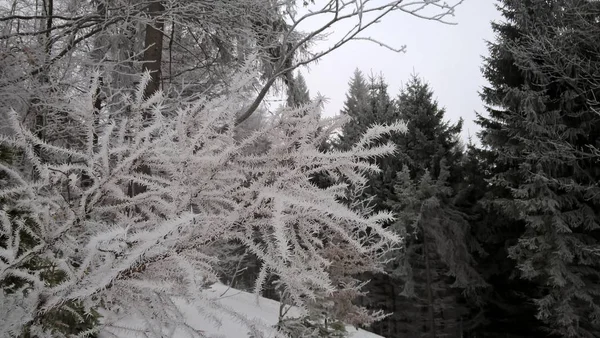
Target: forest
141, 164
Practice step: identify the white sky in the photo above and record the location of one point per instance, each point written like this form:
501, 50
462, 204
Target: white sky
448, 57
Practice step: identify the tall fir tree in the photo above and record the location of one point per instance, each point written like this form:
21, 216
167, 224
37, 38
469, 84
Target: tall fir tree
383, 111
368, 103
382, 105
357, 107
298, 93
505, 310
437, 268
429, 137
542, 129
423, 287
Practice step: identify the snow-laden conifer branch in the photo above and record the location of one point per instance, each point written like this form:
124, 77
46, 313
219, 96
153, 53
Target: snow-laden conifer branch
136, 254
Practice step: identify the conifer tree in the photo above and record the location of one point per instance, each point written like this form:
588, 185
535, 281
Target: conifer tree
501, 309
368, 103
542, 128
382, 111
298, 93
429, 138
418, 182
436, 267
357, 108
382, 105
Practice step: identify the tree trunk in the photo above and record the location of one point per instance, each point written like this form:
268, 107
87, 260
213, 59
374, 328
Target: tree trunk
43, 76
394, 322
152, 62
153, 45
429, 292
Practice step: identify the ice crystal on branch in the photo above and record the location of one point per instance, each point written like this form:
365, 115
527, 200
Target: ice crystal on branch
132, 216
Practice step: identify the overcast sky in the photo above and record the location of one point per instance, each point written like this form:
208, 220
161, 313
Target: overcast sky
447, 57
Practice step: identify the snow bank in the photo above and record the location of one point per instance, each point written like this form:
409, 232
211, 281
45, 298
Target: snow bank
263, 312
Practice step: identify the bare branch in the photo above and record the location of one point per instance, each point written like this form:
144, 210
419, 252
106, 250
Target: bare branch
340, 13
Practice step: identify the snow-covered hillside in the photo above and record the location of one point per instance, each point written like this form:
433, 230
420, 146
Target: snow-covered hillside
262, 313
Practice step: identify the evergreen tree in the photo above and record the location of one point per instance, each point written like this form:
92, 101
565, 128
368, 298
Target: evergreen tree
542, 128
382, 106
505, 311
72, 317
423, 286
368, 103
357, 108
437, 266
383, 111
298, 93
437, 269
429, 138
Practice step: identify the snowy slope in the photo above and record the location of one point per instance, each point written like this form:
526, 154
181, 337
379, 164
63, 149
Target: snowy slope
265, 312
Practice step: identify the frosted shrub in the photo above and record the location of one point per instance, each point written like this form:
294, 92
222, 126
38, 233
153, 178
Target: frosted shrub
129, 218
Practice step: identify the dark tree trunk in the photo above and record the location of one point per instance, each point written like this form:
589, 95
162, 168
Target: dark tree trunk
153, 45
152, 62
429, 291
43, 76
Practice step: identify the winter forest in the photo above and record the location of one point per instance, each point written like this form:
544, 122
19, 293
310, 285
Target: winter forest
144, 177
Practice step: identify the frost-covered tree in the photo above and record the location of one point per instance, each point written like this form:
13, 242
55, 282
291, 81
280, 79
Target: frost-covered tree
186, 45
97, 168
124, 255
542, 129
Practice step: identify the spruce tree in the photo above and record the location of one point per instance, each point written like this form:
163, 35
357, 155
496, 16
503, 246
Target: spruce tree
437, 266
383, 111
423, 286
502, 309
429, 138
368, 103
298, 93
382, 105
72, 317
542, 129
357, 108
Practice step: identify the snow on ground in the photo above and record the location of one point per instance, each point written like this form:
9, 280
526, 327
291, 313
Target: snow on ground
264, 312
